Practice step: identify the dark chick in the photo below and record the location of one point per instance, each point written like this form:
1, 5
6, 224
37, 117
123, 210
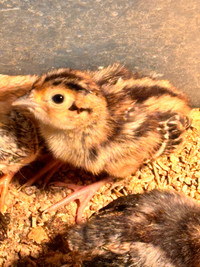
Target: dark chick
19, 144
108, 120
157, 228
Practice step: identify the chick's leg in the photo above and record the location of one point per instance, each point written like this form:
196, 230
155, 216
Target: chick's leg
50, 169
4, 182
81, 193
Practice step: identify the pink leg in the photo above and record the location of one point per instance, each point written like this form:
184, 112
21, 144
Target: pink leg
82, 193
4, 182
52, 171
51, 167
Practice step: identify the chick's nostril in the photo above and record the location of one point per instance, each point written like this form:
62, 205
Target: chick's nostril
73, 107
79, 110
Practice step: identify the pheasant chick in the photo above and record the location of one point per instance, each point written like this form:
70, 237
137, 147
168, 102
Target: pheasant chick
19, 143
106, 121
157, 228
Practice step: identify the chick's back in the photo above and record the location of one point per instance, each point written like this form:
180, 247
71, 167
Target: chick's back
157, 228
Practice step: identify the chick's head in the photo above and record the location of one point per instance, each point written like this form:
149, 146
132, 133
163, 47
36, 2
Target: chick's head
64, 103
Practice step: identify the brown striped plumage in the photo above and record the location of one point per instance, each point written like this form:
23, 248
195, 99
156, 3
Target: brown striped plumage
108, 120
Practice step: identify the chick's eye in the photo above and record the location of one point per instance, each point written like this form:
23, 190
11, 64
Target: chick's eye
58, 98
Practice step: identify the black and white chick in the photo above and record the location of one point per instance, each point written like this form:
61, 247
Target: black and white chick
157, 228
106, 121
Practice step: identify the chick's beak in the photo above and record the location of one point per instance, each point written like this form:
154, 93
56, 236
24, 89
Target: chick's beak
25, 101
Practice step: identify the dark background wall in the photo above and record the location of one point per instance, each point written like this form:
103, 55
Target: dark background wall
160, 36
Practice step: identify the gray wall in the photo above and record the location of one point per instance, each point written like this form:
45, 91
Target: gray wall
160, 36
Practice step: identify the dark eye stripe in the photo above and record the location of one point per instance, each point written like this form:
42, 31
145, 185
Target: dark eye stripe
76, 87
57, 82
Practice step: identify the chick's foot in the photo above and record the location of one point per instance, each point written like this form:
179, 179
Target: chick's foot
81, 193
4, 182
